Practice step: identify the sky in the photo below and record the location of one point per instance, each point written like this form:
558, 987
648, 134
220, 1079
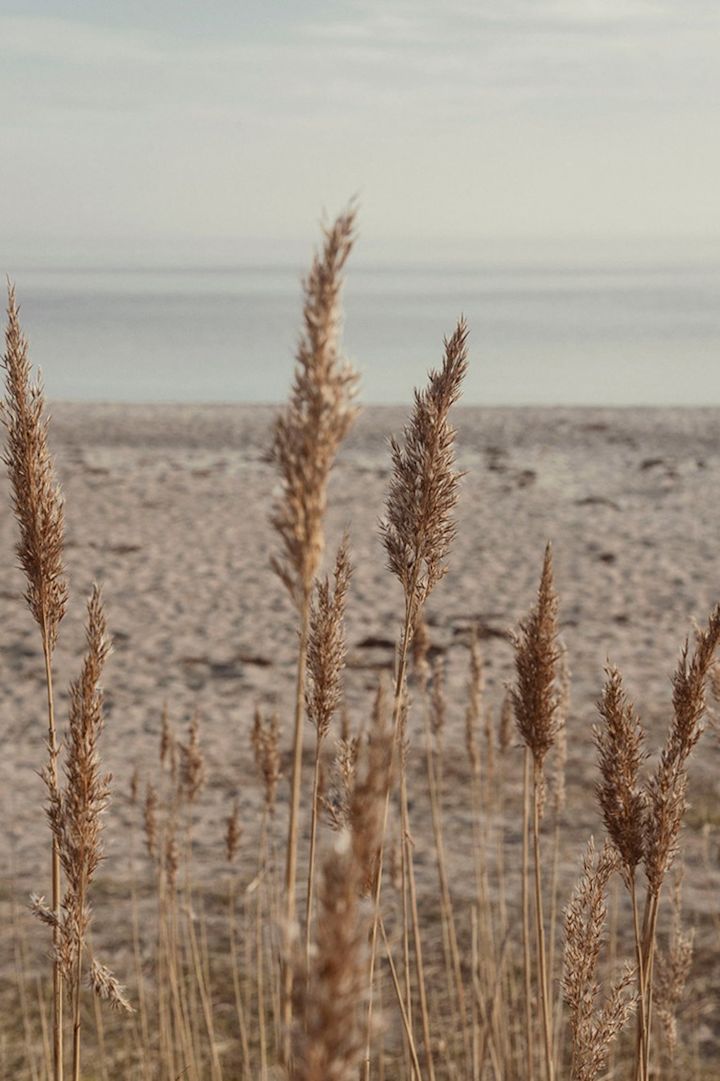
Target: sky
167, 131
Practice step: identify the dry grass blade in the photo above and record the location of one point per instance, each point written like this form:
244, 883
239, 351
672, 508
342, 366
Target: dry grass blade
420, 653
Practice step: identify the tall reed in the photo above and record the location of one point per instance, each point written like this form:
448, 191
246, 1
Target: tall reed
417, 531
593, 1026
536, 701
75, 815
38, 507
326, 660
453, 1003
306, 439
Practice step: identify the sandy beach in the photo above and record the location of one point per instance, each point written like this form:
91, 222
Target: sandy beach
167, 507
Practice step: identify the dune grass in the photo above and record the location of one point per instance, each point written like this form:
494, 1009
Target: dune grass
315, 956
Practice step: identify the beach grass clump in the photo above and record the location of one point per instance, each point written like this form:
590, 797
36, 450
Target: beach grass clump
419, 951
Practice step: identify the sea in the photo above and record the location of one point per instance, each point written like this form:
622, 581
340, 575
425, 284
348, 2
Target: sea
571, 334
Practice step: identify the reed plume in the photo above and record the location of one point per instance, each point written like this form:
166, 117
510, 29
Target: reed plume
667, 792
620, 793
192, 763
667, 787
306, 439
535, 700
418, 528
37, 499
326, 660
265, 739
329, 1036
38, 507
308, 433
75, 815
535, 696
593, 1026
328, 1040
233, 832
417, 533
371, 780
672, 969
623, 803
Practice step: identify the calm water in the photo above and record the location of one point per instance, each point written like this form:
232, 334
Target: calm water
573, 335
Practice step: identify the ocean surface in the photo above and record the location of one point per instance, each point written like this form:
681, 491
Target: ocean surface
572, 334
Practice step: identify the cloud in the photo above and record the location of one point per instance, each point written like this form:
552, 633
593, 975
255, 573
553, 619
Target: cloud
504, 114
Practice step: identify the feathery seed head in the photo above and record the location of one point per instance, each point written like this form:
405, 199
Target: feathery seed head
37, 499
75, 811
535, 695
192, 763
233, 832
319, 415
622, 799
672, 968
327, 647
106, 986
667, 788
337, 803
418, 528
593, 1026
329, 1035
367, 801
266, 747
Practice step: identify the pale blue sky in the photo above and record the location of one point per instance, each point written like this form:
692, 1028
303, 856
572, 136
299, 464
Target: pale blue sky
164, 131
